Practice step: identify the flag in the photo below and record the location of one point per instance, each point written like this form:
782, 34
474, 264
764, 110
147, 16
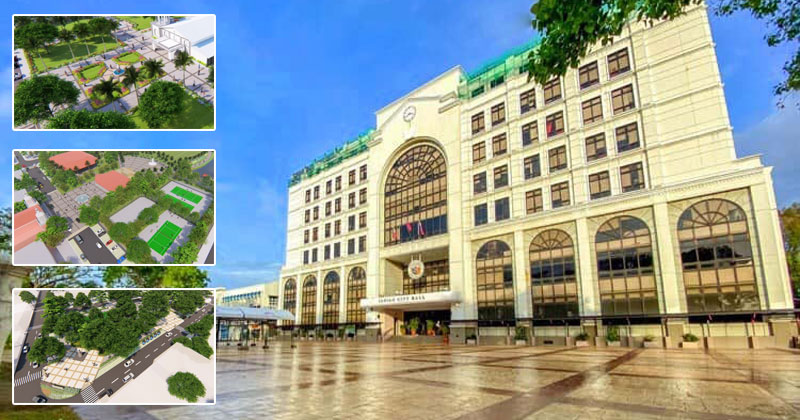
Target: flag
549, 127
395, 234
420, 229
753, 320
409, 227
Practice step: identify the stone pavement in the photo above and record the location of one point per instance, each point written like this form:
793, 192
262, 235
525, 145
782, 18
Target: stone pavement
408, 381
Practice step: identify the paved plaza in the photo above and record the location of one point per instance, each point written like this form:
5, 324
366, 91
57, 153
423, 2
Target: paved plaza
130, 212
136, 164
400, 381
67, 205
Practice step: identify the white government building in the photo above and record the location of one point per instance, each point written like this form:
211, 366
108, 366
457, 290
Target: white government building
611, 196
194, 34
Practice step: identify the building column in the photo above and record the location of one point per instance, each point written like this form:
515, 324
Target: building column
767, 232
587, 285
667, 263
522, 290
342, 295
318, 309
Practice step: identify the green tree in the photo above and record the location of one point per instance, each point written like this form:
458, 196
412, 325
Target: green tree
19, 206
185, 386
100, 26
82, 31
185, 254
175, 277
571, 27
27, 296
36, 97
153, 68
55, 231
210, 78
65, 35
181, 60
82, 301
148, 215
161, 103
70, 119
46, 347
131, 77
98, 296
107, 89
139, 252
790, 221
34, 36
89, 215
120, 232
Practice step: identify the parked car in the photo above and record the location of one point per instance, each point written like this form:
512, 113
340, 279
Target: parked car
109, 242
79, 240
128, 362
110, 391
83, 257
39, 335
98, 245
34, 365
169, 334
25, 348
127, 377
39, 399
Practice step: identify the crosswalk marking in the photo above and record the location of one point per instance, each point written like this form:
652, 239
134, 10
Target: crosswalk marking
25, 379
88, 394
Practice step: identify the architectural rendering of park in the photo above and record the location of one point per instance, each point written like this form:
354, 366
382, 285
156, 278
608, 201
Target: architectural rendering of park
113, 207
115, 346
114, 72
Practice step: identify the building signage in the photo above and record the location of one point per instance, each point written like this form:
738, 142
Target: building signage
411, 300
416, 269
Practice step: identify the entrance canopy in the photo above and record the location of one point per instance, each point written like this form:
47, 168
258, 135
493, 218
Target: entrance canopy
253, 314
415, 302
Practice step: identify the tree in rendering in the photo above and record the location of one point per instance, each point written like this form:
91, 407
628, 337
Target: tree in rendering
34, 36
55, 231
88, 215
120, 232
130, 78
161, 103
210, 78
65, 35
107, 88
186, 386
27, 296
148, 215
46, 347
153, 68
181, 60
570, 28
19, 206
70, 119
100, 26
139, 252
82, 301
185, 254
83, 32
98, 296
36, 97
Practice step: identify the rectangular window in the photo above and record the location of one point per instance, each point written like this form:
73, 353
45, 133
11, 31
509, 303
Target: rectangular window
316, 212
552, 90
527, 100
558, 158
314, 255
363, 172
328, 208
337, 205
351, 177
337, 227
530, 133
351, 200
351, 223
337, 250
308, 215
351, 246
499, 145
618, 63
555, 124
305, 257
559, 194
477, 123
362, 196
479, 183
478, 152
595, 147
501, 177
599, 185
592, 110
498, 113
622, 99
327, 252
532, 167
338, 183
533, 201
627, 137
481, 214
314, 234
497, 81
308, 196
632, 177
329, 187
501, 209
588, 75
327, 230
305, 236
316, 192
362, 244
362, 219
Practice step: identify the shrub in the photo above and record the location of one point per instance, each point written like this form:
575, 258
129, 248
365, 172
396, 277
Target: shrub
612, 333
520, 333
582, 336
691, 338
649, 338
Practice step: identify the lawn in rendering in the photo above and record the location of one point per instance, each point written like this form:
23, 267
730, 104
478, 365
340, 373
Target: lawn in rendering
181, 203
164, 237
180, 192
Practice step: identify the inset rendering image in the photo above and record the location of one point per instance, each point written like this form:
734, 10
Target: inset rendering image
107, 207
113, 346
114, 72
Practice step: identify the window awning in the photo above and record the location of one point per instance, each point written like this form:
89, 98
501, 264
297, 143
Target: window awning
253, 314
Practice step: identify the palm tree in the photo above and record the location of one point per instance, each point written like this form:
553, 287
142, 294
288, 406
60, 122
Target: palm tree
82, 31
182, 59
153, 67
107, 88
100, 26
130, 78
65, 35
111, 26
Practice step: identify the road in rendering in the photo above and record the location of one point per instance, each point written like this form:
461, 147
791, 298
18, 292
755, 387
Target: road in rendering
39, 176
25, 163
26, 378
112, 380
90, 250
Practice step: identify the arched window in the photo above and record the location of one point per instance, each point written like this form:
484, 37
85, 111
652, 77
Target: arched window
289, 297
330, 298
554, 287
356, 290
495, 282
717, 258
415, 196
309, 306
625, 267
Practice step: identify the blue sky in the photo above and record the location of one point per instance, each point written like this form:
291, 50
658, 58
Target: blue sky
296, 78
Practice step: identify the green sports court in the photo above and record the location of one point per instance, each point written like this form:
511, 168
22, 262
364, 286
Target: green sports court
180, 192
183, 203
164, 237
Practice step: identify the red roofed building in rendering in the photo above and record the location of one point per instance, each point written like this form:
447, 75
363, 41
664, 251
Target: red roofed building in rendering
111, 180
74, 160
27, 224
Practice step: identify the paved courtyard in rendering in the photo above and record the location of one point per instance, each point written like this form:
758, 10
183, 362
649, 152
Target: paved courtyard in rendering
336, 380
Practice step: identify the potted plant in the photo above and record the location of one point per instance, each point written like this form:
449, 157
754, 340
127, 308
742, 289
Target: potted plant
582, 339
445, 334
520, 336
329, 336
319, 335
429, 324
690, 341
472, 340
612, 336
413, 325
649, 341
340, 334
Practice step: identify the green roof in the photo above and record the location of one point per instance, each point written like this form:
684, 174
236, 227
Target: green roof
333, 158
497, 70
